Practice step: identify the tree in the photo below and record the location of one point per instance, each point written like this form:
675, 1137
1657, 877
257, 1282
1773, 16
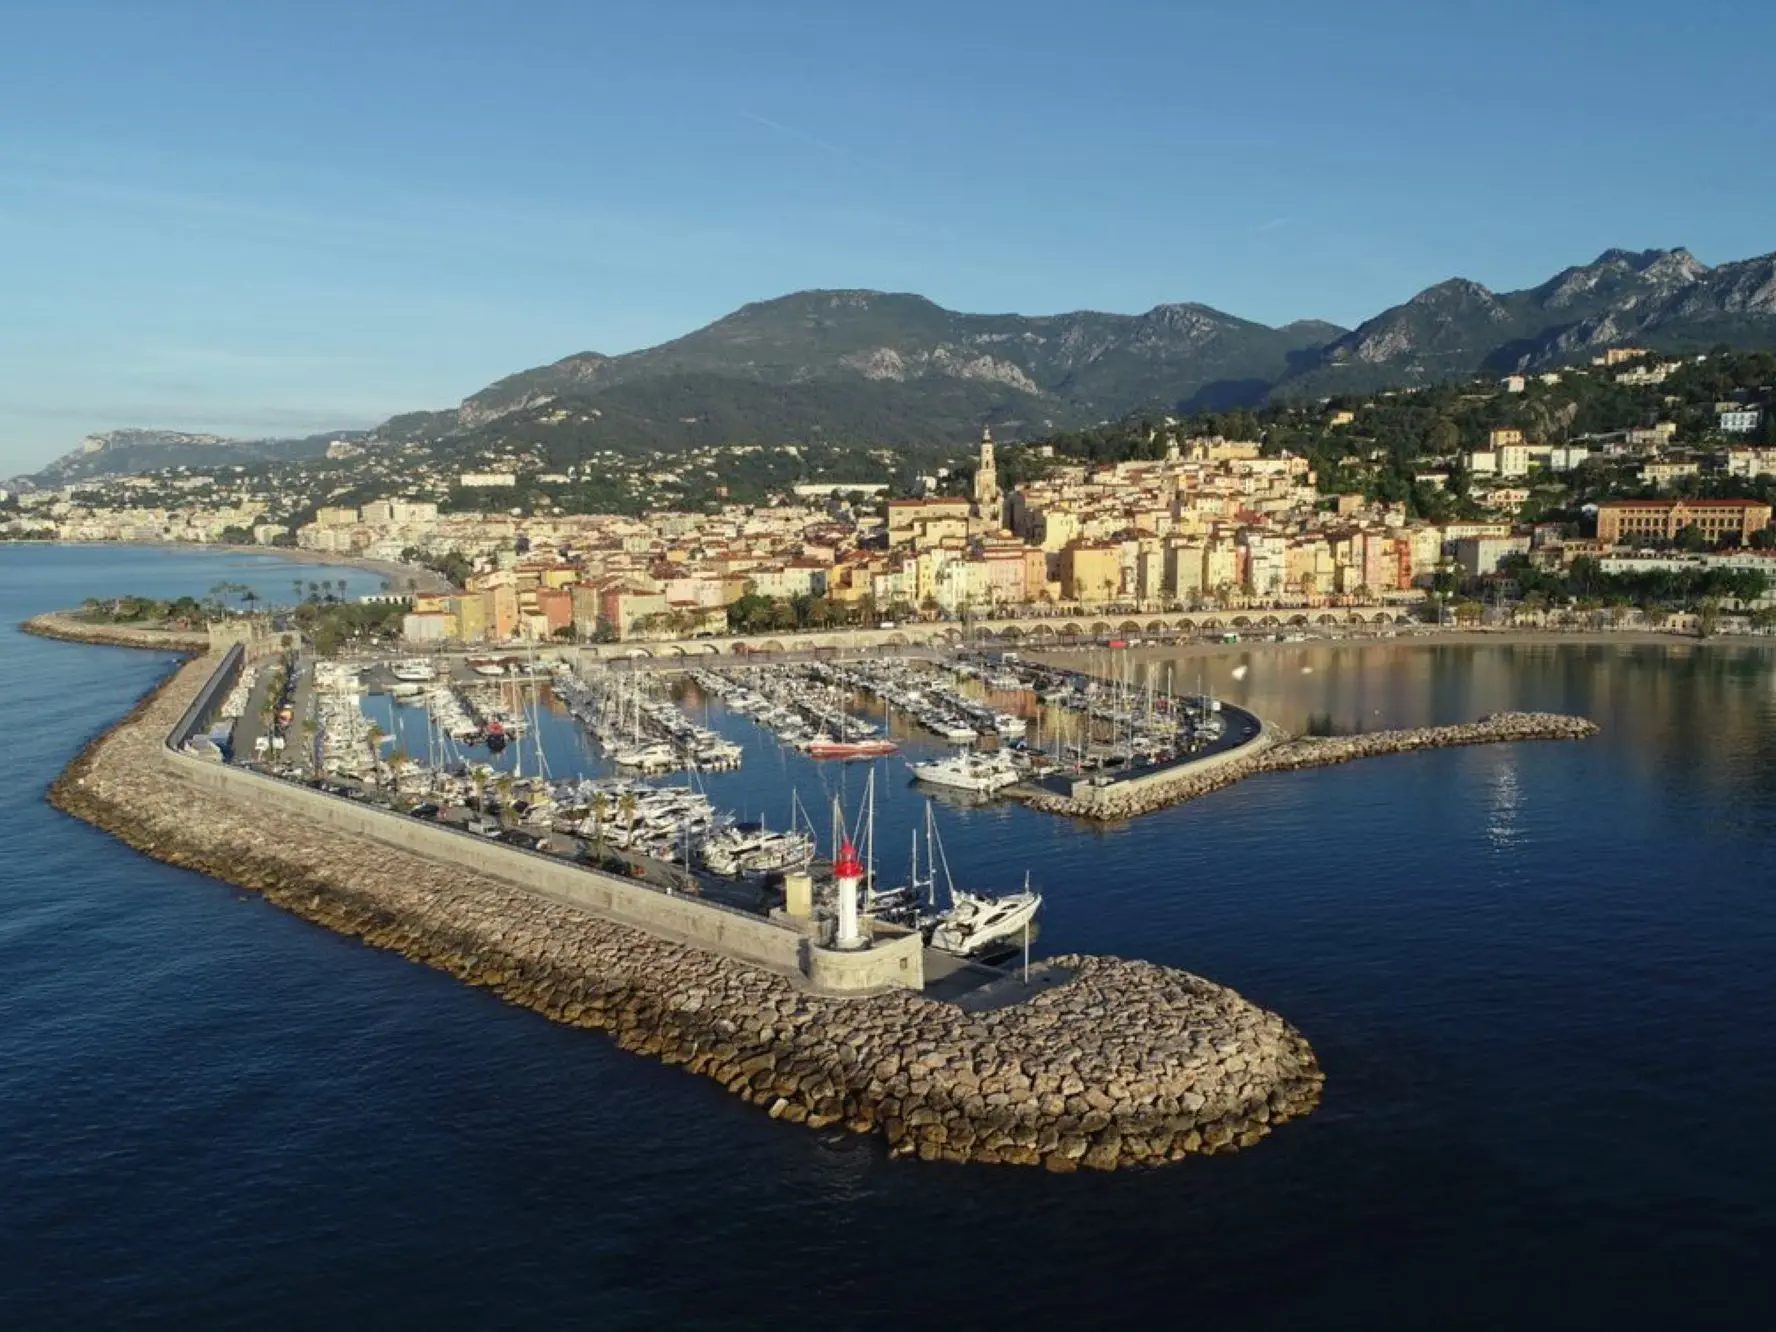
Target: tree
626, 807
600, 813
1690, 538
374, 737
503, 784
1708, 618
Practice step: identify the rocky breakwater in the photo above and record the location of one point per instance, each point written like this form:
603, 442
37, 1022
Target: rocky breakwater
1499, 728
1122, 1063
1123, 800
71, 628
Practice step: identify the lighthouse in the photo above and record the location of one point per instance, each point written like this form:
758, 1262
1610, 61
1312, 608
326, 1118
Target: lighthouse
848, 877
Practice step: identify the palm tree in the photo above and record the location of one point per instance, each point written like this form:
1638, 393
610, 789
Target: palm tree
503, 784
479, 777
327, 589
600, 812
314, 590
296, 586
373, 737
626, 806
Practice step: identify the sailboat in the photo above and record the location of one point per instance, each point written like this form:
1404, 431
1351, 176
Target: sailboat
974, 924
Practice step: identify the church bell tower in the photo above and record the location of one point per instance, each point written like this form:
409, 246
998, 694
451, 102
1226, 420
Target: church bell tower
987, 499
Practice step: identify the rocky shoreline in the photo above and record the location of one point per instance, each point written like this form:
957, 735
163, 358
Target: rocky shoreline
71, 629
1288, 754
1121, 1064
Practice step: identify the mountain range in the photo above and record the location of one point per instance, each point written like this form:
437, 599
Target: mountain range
899, 370
131, 451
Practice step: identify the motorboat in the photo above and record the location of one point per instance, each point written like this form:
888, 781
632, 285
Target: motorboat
827, 748
968, 772
413, 670
976, 923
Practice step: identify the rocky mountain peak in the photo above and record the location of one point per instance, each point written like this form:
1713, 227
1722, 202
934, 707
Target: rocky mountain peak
1454, 291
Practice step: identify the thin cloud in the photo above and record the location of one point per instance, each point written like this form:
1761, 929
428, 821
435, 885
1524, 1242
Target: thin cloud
1275, 224
793, 133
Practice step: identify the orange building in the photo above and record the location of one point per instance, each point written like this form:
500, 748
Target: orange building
1622, 522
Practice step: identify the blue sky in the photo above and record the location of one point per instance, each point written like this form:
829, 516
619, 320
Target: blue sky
271, 219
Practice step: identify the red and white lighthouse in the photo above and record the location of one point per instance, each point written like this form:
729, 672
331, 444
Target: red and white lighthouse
848, 878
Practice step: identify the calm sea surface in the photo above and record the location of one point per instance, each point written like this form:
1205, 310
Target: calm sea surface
1542, 981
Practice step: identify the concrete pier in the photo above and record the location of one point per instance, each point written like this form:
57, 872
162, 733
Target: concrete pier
1115, 1063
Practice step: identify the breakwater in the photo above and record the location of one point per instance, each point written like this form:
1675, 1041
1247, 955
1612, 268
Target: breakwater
1274, 751
1120, 1063
70, 628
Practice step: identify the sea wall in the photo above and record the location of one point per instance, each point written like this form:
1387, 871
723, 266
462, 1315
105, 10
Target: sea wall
1281, 753
1124, 1063
71, 628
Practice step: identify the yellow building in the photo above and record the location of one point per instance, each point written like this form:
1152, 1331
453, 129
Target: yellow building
470, 611
926, 522
1091, 573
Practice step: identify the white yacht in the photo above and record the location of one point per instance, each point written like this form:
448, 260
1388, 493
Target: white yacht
973, 923
976, 923
968, 772
413, 670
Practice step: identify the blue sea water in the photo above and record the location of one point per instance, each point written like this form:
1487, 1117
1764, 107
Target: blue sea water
1541, 979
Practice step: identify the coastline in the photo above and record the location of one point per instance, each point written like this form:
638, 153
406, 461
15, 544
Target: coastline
1428, 637
426, 580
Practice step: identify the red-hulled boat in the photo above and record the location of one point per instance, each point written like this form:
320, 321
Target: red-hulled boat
852, 749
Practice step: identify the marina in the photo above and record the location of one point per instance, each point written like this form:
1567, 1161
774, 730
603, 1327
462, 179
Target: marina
636, 774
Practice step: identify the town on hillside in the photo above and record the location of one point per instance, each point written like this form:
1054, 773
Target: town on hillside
1458, 496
